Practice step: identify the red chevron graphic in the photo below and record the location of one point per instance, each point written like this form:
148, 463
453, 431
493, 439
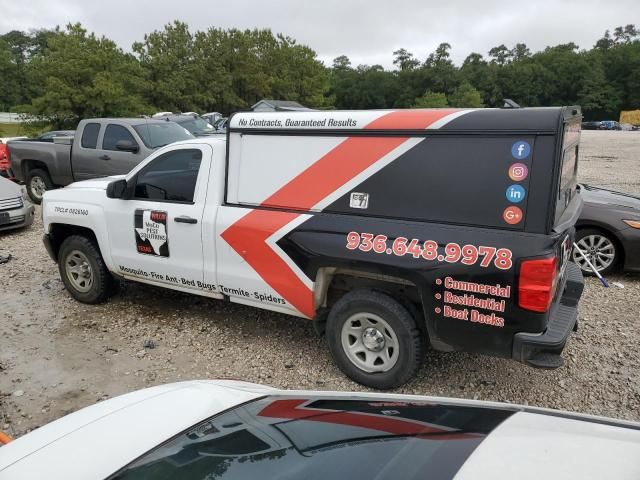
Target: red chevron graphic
248, 235
292, 409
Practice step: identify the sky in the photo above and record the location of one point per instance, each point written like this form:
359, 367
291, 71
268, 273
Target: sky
366, 31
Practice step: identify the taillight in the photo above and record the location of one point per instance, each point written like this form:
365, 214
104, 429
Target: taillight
4, 157
537, 284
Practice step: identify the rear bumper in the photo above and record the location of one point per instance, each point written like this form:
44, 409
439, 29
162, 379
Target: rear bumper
542, 350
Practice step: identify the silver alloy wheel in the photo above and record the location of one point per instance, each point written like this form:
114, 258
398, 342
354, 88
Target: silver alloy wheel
600, 251
370, 343
79, 271
38, 187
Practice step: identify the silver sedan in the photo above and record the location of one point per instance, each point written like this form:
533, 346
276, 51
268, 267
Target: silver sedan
15, 208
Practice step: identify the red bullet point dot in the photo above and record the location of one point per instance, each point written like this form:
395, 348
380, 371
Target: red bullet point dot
438, 310
438, 282
438, 296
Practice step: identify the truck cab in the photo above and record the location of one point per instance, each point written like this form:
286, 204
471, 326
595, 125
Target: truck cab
391, 230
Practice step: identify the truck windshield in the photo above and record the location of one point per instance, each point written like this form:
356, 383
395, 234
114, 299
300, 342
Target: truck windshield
159, 134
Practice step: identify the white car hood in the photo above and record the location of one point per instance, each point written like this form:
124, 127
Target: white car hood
97, 183
8, 189
530, 446
118, 430
535, 444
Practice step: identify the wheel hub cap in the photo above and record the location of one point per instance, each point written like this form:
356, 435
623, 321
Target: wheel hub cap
370, 343
79, 271
372, 339
598, 249
37, 186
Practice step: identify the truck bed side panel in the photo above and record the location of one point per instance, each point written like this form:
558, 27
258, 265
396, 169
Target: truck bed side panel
56, 157
467, 306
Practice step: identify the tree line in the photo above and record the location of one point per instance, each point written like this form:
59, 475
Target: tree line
63, 75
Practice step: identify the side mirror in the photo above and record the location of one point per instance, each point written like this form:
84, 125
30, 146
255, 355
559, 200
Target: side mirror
127, 146
117, 188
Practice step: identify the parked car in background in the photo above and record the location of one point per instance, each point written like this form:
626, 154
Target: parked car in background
212, 117
608, 230
594, 125
220, 126
195, 124
236, 430
15, 209
5, 166
101, 147
610, 125
4, 161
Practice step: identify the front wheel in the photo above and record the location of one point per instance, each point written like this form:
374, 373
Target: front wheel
83, 271
599, 247
373, 339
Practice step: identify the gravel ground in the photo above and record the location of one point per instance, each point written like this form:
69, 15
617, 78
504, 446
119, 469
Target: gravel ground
58, 355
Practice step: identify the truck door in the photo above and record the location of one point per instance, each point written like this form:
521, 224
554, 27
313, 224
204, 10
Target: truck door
155, 235
112, 160
83, 153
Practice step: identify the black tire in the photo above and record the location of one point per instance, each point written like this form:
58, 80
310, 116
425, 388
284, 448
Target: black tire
409, 340
585, 233
102, 285
40, 177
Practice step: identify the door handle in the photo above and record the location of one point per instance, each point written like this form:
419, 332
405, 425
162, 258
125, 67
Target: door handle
185, 219
105, 157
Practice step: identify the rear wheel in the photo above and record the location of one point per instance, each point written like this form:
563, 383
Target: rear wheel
38, 182
374, 339
83, 271
600, 248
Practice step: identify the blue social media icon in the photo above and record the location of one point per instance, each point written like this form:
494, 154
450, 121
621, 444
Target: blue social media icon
515, 193
520, 149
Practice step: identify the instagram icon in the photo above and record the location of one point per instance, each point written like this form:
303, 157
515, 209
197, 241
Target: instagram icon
518, 172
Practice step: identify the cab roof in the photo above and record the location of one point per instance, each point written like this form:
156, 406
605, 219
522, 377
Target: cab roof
129, 121
535, 120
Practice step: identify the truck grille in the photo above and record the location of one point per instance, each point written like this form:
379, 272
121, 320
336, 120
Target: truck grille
10, 203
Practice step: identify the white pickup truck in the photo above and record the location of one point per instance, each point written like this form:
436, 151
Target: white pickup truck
392, 230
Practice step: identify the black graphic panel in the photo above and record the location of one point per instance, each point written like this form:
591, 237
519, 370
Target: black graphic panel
480, 181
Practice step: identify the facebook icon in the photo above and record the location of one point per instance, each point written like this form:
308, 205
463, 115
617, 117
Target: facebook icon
520, 149
515, 193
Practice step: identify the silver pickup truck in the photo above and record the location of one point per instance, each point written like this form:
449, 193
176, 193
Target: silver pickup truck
100, 147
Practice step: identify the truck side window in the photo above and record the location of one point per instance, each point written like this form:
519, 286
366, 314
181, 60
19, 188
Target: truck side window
113, 134
170, 177
90, 135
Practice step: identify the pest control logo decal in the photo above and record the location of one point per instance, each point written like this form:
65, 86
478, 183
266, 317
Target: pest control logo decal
151, 232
